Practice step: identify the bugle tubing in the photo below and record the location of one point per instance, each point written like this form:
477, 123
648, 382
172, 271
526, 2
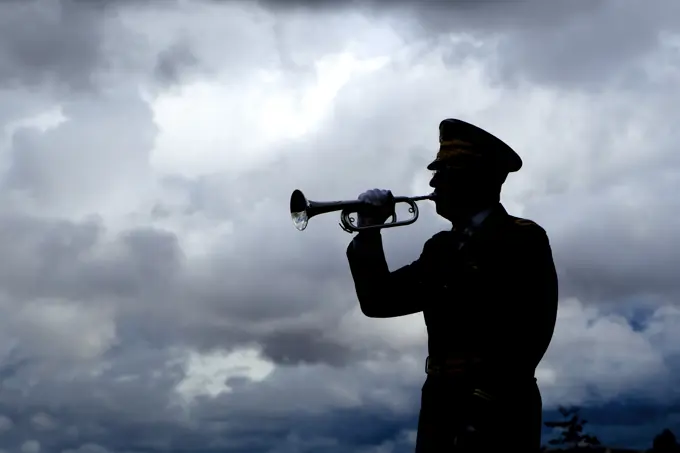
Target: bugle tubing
302, 209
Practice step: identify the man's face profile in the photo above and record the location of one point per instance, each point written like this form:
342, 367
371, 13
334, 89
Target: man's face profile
457, 190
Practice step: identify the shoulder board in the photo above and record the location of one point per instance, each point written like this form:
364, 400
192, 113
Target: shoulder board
526, 225
523, 222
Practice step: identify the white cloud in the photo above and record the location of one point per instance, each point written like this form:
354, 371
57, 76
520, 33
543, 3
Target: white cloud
209, 374
599, 357
218, 126
30, 446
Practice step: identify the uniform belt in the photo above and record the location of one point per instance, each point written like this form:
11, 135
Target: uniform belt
459, 368
452, 366
472, 370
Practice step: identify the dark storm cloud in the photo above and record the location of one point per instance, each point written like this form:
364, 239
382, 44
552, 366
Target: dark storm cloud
144, 275
251, 300
131, 406
579, 45
47, 49
98, 409
63, 53
82, 45
91, 315
96, 318
172, 61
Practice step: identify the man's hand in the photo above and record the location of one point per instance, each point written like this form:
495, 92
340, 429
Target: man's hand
380, 207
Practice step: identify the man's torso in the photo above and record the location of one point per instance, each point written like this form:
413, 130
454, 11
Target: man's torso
470, 280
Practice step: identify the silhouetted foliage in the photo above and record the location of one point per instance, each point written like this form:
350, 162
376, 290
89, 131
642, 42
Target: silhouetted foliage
666, 442
571, 435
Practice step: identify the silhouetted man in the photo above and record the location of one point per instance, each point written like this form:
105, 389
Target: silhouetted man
488, 292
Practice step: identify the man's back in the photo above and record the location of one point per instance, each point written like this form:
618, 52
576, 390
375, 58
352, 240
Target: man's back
494, 295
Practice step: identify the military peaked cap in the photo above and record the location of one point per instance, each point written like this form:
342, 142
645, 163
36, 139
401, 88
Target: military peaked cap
462, 144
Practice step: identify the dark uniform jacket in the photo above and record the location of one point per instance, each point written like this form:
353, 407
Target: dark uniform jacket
492, 301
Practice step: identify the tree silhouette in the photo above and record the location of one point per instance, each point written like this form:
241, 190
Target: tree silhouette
571, 430
665, 442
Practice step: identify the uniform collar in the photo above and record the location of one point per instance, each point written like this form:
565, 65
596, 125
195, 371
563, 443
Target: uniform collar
476, 220
482, 225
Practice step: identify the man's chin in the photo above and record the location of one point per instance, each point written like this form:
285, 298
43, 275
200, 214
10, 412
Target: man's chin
441, 208
447, 210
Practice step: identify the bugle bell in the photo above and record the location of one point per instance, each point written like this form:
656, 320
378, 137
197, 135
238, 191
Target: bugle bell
302, 209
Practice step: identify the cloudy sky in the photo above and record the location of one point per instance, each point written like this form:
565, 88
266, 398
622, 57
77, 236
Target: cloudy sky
154, 295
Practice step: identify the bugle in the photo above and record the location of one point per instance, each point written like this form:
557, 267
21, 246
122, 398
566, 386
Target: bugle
302, 209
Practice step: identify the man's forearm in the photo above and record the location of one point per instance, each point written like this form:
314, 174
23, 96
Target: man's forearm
366, 252
370, 271
381, 293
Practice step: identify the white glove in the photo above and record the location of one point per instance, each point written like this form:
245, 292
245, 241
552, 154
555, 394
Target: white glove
382, 207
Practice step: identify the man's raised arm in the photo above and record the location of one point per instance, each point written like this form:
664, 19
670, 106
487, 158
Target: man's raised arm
381, 293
